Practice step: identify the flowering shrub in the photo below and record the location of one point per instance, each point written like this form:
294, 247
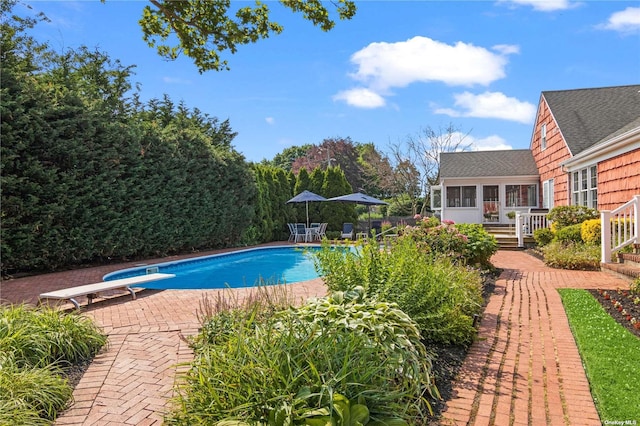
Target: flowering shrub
563, 216
437, 239
468, 244
480, 245
465, 243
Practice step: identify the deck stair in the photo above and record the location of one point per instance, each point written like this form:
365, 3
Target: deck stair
628, 265
506, 236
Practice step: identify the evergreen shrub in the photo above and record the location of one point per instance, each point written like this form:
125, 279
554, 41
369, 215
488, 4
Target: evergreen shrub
569, 234
590, 231
543, 236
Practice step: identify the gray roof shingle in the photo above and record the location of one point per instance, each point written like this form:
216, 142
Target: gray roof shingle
586, 116
515, 162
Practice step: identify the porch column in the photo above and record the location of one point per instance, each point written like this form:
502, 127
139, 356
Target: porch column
519, 232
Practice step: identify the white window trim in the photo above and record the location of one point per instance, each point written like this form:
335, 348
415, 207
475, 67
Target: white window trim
475, 199
584, 193
506, 197
548, 194
543, 137
436, 188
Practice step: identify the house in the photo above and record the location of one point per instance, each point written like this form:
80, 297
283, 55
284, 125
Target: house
585, 149
483, 186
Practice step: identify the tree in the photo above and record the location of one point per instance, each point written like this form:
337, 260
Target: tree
377, 172
422, 152
335, 214
338, 151
205, 29
88, 174
285, 159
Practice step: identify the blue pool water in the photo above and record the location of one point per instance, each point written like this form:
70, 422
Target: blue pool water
237, 269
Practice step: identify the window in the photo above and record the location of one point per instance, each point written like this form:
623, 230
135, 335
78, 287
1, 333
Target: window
547, 194
461, 196
584, 187
543, 137
436, 198
522, 195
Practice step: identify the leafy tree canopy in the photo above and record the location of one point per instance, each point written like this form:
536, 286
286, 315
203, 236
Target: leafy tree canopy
285, 159
206, 29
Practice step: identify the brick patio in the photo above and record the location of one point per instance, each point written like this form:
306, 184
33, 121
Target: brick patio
524, 369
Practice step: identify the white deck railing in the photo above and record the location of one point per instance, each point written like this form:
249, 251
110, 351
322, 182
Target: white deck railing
619, 228
528, 223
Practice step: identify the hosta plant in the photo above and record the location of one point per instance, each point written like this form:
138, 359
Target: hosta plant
302, 365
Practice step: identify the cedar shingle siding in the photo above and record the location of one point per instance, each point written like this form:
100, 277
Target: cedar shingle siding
618, 180
547, 160
578, 120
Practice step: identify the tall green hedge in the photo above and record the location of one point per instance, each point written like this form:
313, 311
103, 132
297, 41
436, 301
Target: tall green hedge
91, 175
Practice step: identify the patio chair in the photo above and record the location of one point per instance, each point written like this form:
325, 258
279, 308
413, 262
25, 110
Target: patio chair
322, 231
292, 232
315, 231
301, 231
347, 230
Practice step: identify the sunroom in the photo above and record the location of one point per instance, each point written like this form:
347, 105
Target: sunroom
485, 186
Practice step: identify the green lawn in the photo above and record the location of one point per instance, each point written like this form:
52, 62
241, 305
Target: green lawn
611, 355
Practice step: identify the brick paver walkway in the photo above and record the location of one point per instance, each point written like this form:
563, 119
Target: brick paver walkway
524, 368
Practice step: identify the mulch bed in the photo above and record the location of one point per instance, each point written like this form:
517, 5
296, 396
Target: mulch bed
449, 358
623, 306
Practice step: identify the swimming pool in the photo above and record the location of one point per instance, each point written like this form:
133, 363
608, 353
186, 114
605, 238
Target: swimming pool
236, 269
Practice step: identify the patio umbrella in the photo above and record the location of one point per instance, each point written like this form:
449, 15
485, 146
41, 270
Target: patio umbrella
360, 198
304, 197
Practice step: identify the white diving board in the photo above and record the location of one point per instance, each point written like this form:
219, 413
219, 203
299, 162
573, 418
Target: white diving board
93, 290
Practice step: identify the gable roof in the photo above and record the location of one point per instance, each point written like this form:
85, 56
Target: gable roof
513, 162
587, 116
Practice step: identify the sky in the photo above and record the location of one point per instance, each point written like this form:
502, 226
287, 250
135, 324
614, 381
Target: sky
394, 70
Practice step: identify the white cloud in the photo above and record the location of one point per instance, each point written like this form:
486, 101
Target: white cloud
385, 65
174, 80
490, 105
360, 97
490, 143
506, 49
466, 141
625, 21
543, 5
270, 120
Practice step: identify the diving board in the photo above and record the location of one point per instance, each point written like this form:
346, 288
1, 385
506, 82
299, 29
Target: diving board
93, 290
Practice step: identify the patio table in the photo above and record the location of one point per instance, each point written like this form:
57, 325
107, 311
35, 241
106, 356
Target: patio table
311, 234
